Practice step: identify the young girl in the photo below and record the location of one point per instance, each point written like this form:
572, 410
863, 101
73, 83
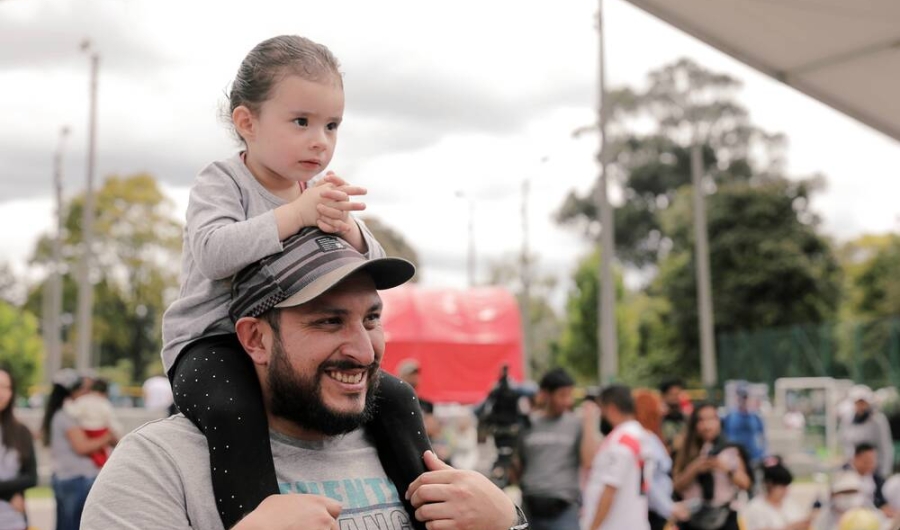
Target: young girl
771, 511
286, 104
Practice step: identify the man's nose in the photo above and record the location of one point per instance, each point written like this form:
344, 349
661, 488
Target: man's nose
358, 346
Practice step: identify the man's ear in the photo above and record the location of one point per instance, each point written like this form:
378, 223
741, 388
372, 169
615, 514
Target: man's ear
242, 117
255, 336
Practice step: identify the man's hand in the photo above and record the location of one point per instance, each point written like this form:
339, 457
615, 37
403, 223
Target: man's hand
450, 499
293, 511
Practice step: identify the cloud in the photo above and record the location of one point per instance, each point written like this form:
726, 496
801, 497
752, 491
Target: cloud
38, 35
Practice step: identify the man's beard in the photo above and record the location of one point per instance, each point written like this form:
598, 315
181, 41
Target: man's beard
299, 399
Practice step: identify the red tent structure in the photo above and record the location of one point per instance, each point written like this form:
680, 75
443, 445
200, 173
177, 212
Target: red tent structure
461, 338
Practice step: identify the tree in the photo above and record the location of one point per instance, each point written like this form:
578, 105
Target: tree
876, 282
870, 337
21, 347
8, 283
769, 267
540, 319
394, 243
686, 103
137, 245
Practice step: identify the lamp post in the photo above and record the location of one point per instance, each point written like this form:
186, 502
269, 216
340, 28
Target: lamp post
54, 284
85, 289
526, 277
470, 255
608, 367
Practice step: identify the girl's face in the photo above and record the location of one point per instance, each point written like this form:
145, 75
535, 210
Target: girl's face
6, 393
776, 493
293, 135
708, 424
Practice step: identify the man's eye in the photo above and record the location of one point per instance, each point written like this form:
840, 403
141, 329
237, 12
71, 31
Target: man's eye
302, 122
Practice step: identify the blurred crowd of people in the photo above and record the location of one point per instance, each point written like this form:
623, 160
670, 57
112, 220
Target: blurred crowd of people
652, 458
621, 458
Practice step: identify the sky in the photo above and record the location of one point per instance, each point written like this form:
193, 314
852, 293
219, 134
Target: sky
447, 104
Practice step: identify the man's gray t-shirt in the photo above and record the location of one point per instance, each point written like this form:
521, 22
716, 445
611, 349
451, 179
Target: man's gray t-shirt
158, 477
66, 462
550, 454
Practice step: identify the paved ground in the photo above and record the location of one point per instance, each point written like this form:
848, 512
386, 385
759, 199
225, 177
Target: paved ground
41, 514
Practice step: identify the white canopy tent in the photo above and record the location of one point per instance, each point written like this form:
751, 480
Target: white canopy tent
845, 53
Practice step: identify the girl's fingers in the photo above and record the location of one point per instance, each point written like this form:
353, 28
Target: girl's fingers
353, 190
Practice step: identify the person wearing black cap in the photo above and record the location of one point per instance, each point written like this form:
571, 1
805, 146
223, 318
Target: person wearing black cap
552, 451
308, 319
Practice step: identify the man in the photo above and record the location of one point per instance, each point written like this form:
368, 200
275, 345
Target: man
408, 370
309, 320
500, 415
744, 426
551, 453
845, 497
866, 424
865, 464
674, 421
616, 492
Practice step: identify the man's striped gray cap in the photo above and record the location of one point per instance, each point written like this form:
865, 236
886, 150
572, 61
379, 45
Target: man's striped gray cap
311, 263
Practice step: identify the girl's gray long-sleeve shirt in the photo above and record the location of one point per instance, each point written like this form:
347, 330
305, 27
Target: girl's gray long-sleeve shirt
230, 224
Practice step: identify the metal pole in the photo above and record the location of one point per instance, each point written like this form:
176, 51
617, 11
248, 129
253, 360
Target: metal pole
708, 368
85, 289
609, 351
525, 273
54, 285
471, 260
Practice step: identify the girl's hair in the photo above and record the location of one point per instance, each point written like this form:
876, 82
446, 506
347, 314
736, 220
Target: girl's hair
273, 59
15, 434
775, 473
693, 443
648, 411
54, 402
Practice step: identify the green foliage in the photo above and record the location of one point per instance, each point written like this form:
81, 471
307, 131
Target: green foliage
8, 283
687, 104
877, 282
769, 265
21, 347
578, 345
392, 241
540, 318
137, 247
768, 268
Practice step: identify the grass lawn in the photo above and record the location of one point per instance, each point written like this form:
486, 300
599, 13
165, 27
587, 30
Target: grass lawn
40, 492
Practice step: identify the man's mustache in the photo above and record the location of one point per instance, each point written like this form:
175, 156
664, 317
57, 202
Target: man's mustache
346, 365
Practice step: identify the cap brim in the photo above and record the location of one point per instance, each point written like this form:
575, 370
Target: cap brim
385, 272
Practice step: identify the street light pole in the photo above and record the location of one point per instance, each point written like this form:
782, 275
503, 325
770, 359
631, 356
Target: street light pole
470, 254
608, 367
708, 369
83, 359
525, 274
54, 284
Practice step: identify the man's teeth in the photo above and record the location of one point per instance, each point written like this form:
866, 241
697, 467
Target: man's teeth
346, 378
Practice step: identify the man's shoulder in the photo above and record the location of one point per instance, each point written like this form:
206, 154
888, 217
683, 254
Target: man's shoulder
174, 434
